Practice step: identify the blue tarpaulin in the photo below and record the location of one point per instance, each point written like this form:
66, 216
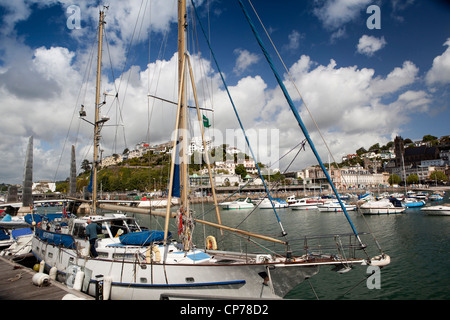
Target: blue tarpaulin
143, 238
21, 232
29, 218
56, 238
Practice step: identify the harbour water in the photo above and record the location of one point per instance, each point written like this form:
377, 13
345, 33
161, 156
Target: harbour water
418, 244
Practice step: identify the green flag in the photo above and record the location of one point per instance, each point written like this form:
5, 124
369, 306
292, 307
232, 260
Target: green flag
206, 122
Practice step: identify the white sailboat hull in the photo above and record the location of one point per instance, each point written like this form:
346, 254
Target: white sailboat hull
382, 210
232, 275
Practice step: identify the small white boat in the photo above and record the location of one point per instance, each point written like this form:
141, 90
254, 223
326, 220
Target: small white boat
241, 203
412, 203
436, 197
335, 207
306, 204
383, 206
442, 210
277, 203
291, 200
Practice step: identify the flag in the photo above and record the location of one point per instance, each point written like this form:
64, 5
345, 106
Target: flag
206, 122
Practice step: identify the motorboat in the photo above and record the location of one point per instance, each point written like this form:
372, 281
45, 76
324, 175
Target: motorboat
412, 203
277, 203
241, 203
436, 197
383, 206
335, 206
442, 210
306, 204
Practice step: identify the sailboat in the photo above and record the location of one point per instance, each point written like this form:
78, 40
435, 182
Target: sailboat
135, 263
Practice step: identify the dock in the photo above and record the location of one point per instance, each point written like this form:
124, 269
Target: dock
16, 284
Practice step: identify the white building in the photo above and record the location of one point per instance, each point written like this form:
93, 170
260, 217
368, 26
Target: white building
43, 186
113, 160
197, 145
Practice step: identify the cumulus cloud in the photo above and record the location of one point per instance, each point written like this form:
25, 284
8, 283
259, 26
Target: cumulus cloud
368, 45
294, 40
40, 95
334, 14
244, 60
439, 73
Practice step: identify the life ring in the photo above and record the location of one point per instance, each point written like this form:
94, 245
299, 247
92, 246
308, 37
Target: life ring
211, 243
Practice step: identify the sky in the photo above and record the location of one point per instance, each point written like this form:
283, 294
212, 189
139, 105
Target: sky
365, 70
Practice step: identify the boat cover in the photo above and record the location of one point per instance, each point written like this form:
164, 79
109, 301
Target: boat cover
4, 235
21, 232
29, 218
56, 238
143, 238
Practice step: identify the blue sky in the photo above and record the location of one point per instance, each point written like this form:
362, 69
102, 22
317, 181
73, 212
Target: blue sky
363, 86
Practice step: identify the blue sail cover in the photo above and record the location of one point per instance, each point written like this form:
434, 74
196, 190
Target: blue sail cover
176, 174
143, 238
89, 188
57, 239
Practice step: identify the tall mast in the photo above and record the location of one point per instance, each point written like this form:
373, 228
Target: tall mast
97, 127
182, 129
182, 26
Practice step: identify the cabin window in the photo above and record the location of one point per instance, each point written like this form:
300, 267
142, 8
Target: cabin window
123, 256
190, 280
143, 280
50, 255
102, 254
79, 230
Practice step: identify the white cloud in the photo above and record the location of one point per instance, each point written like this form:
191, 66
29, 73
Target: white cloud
244, 60
440, 71
368, 45
294, 40
336, 13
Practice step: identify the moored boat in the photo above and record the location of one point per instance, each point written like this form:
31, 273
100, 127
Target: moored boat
334, 206
306, 204
241, 203
383, 206
442, 210
277, 203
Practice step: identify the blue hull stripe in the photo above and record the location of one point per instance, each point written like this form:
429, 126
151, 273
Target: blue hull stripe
178, 285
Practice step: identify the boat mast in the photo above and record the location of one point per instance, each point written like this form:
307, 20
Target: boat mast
182, 26
97, 126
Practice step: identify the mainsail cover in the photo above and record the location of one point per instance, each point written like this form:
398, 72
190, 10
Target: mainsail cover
176, 174
143, 238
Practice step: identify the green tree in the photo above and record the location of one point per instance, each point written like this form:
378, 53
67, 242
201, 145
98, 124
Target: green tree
361, 151
240, 169
438, 176
414, 178
428, 137
85, 166
394, 179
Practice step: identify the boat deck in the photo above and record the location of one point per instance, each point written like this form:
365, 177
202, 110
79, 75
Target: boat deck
16, 284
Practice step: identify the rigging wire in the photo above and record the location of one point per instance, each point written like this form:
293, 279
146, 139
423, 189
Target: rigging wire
298, 118
307, 109
295, 86
76, 106
239, 120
